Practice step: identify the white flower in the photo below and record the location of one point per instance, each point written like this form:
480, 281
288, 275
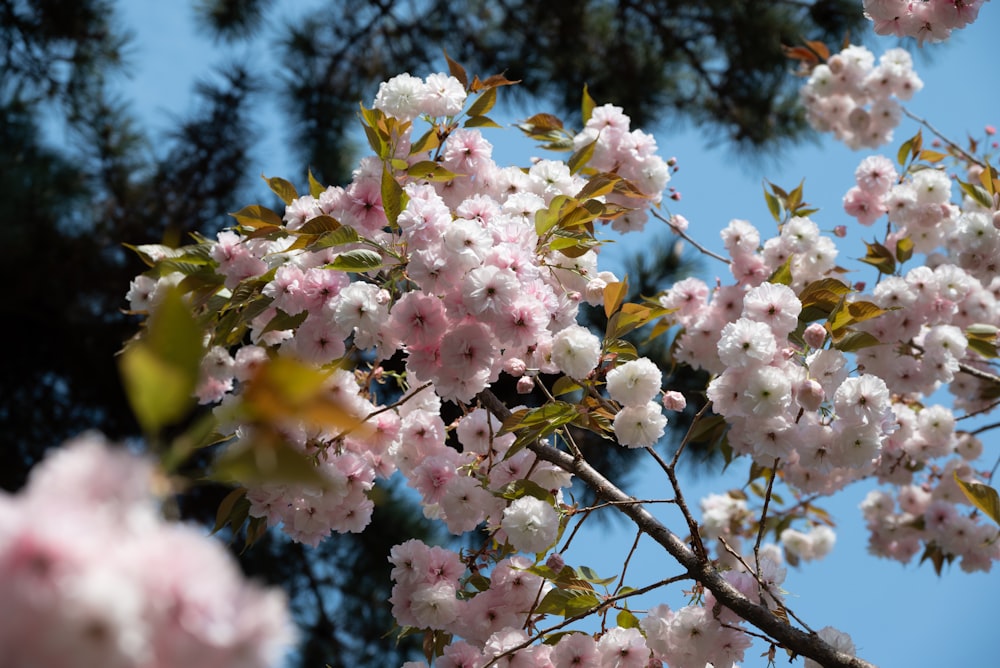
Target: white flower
576, 351
435, 605
402, 96
640, 426
634, 383
746, 343
532, 525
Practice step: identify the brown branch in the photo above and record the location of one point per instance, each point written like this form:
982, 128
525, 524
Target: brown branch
701, 570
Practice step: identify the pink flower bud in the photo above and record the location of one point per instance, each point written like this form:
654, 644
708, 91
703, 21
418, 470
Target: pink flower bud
815, 335
674, 400
991, 130
809, 394
840, 231
555, 562
679, 223
525, 384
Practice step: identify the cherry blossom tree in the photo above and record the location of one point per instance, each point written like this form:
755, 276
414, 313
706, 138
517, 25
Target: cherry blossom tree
329, 336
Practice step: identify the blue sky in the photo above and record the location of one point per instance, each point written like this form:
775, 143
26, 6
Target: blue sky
897, 615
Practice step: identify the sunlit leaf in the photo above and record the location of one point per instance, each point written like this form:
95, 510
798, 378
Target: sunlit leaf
484, 103
282, 188
614, 295
315, 187
256, 215
982, 496
358, 260
587, 105
393, 197
160, 370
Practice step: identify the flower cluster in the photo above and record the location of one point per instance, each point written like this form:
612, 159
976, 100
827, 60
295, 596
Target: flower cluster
104, 581
440, 271
927, 20
855, 99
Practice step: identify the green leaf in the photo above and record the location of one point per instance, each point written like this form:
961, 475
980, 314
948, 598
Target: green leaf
226, 507
981, 496
282, 188
587, 573
481, 122
319, 225
483, 103
429, 141
256, 216
783, 274
910, 147
580, 158
338, 237
983, 339
627, 620
774, 206
565, 385
854, 341
263, 460
879, 257
587, 105
567, 602
315, 187
393, 197
977, 193
521, 488
358, 260
428, 170
904, 249
160, 370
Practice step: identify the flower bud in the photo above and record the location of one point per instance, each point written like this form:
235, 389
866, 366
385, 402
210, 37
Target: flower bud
815, 335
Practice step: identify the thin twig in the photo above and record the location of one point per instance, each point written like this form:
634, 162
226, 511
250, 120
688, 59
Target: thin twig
763, 514
939, 135
684, 235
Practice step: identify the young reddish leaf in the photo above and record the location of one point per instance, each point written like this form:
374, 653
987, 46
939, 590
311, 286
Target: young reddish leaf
614, 295
457, 71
